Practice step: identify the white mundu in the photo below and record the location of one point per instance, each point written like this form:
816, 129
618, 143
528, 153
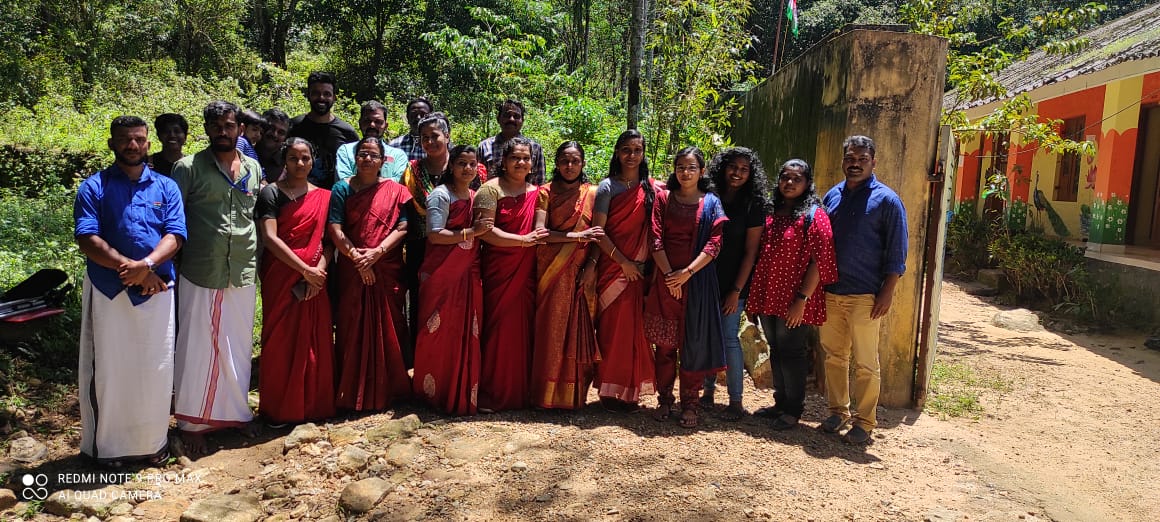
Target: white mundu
126, 374
214, 346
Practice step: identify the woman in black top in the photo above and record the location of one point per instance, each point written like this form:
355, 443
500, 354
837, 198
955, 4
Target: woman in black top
741, 184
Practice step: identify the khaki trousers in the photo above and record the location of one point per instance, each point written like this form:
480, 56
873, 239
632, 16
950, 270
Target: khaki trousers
849, 332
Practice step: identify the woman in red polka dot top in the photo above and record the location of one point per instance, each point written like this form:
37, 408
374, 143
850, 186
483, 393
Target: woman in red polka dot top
796, 257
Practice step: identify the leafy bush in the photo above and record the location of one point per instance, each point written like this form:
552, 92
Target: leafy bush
967, 239
1043, 270
33, 171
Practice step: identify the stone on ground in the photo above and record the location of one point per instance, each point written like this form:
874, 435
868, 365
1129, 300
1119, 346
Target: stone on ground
1019, 320
361, 496
302, 434
402, 454
353, 459
240, 507
343, 435
160, 509
27, 449
394, 429
7, 499
92, 503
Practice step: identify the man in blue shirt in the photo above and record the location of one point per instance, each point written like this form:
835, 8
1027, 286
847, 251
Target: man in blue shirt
129, 224
372, 121
869, 224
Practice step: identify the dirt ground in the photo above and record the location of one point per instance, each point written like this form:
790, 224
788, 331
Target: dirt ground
1063, 433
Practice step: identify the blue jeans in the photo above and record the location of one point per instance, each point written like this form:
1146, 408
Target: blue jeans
735, 373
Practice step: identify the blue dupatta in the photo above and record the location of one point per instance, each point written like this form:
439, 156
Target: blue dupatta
704, 348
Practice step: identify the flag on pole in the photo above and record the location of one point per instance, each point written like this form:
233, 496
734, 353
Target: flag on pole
791, 12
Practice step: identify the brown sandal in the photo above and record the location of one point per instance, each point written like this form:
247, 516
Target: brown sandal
689, 419
734, 412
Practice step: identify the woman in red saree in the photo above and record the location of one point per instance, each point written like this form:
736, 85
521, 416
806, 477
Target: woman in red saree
296, 368
682, 314
367, 224
447, 359
565, 355
509, 283
623, 205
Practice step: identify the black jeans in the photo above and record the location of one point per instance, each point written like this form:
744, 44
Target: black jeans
788, 356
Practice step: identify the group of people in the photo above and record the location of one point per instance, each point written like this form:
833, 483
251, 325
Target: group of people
460, 276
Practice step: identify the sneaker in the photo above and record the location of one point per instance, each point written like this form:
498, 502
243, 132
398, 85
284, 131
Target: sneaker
832, 424
856, 435
784, 422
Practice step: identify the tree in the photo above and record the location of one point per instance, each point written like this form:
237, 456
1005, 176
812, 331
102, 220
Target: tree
272, 22
636, 58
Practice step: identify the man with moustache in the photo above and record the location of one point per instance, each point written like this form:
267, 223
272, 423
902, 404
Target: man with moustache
322, 128
216, 297
510, 116
372, 122
129, 224
410, 143
870, 242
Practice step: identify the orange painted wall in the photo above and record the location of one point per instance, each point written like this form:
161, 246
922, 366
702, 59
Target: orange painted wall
1151, 91
967, 180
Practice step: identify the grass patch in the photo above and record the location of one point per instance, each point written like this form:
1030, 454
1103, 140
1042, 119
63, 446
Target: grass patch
955, 389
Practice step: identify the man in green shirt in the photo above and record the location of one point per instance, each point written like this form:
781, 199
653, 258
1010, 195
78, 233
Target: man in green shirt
217, 292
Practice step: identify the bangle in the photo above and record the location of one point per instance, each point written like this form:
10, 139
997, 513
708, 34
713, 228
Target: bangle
613, 253
464, 234
736, 289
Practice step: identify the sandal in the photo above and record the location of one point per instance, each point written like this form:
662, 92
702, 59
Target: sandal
160, 459
734, 412
689, 419
768, 412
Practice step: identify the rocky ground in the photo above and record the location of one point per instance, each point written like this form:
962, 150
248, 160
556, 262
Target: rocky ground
1054, 427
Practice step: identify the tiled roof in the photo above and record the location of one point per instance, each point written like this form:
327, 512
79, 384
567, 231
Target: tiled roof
1134, 36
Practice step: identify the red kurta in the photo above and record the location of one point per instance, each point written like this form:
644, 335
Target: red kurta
296, 368
509, 297
782, 261
565, 355
370, 318
447, 356
626, 368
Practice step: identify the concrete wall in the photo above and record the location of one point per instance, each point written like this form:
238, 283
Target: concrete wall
883, 84
1137, 290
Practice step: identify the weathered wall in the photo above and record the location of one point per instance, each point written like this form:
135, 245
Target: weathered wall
883, 84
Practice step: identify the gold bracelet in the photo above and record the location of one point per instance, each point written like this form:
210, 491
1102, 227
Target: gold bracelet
613, 254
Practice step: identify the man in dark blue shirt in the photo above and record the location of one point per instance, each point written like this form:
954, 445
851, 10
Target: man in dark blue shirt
129, 224
869, 225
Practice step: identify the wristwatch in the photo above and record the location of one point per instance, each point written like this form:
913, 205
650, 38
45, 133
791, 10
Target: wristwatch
799, 295
149, 263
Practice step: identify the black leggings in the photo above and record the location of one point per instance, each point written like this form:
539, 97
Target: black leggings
789, 358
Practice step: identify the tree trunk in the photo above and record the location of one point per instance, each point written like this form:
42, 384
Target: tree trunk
281, 32
635, 57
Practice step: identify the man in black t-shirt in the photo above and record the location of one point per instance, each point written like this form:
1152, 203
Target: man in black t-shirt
322, 128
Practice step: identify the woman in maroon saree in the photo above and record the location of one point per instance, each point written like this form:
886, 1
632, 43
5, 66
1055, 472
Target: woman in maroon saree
509, 284
296, 368
623, 206
565, 355
367, 225
682, 314
447, 358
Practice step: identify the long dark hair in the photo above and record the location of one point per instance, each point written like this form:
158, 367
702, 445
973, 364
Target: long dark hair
508, 148
294, 140
755, 190
455, 153
560, 150
808, 198
704, 183
645, 181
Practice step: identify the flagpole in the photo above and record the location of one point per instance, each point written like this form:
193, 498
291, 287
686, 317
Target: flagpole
777, 36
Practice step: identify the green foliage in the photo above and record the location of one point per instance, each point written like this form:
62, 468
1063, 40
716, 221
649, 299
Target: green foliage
967, 238
31, 171
1043, 270
698, 50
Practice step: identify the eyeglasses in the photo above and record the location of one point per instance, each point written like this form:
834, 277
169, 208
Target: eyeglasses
369, 155
687, 168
